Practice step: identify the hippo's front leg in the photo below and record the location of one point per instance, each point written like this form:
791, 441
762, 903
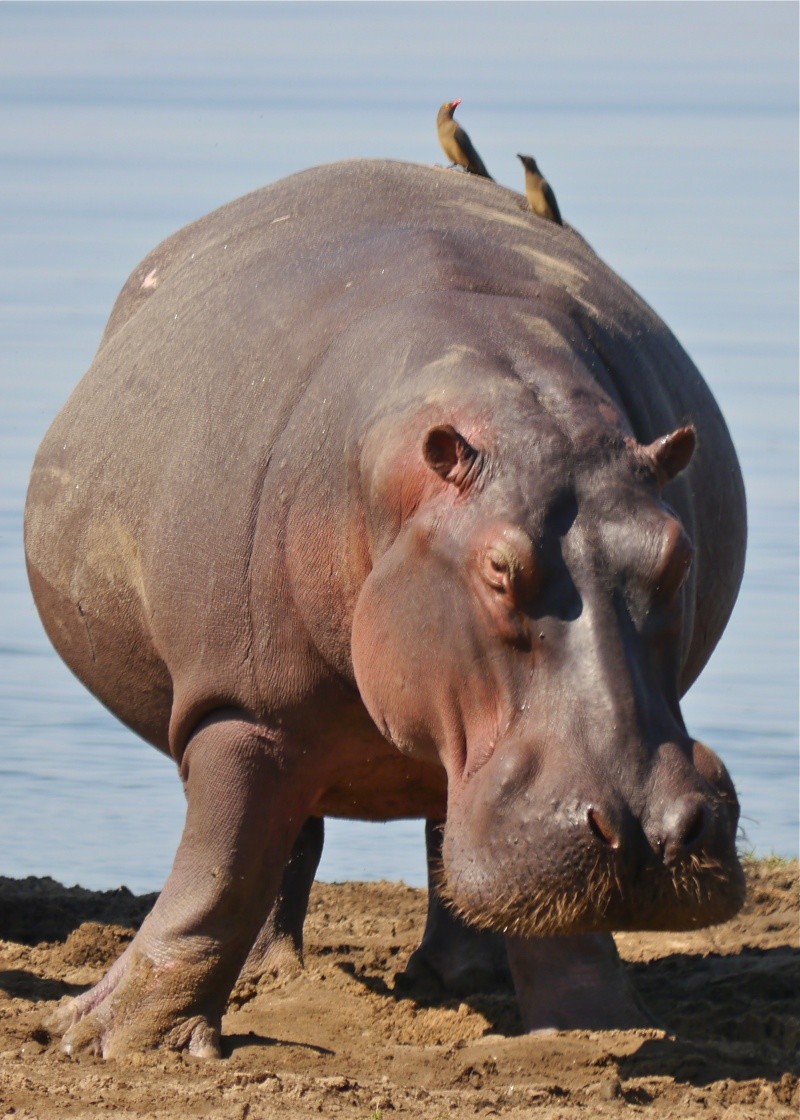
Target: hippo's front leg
573, 983
458, 957
171, 985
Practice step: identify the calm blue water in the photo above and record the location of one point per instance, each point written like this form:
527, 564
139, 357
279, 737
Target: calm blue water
670, 135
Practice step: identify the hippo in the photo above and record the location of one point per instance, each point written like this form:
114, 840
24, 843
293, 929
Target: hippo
385, 498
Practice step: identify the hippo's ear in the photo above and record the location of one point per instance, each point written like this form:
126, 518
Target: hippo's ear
671, 454
448, 453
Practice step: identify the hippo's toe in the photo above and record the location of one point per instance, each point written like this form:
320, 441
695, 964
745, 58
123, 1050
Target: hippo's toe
108, 1033
138, 1006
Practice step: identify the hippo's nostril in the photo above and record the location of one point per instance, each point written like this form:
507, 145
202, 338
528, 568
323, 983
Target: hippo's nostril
684, 827
601, 828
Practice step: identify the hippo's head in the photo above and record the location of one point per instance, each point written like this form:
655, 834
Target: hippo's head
527, 621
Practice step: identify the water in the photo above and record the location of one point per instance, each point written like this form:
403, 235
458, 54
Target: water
670, 135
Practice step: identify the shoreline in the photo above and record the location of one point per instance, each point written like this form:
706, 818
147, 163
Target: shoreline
343, 1039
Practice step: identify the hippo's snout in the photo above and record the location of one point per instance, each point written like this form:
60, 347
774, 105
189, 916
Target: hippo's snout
551, 858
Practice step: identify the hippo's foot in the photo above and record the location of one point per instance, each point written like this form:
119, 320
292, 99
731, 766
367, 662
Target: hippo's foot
171, 986
276, 955
139, 1005
277, 958
456, 958
573, 983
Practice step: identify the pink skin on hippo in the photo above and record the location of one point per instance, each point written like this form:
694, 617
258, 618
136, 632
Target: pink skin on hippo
410, 509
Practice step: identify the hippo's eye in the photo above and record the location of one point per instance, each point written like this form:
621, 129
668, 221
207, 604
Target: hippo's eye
508, 566
675, 565
498, 569
505, 562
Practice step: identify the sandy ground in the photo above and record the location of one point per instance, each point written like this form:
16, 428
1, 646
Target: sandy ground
342, 1039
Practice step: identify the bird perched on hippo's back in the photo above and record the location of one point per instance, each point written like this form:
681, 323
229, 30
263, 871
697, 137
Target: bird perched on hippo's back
539, 192
455, 142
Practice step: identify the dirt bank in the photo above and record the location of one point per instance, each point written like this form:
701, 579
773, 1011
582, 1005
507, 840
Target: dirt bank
343, 1040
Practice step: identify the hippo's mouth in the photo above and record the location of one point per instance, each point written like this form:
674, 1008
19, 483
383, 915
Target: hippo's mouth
699, 891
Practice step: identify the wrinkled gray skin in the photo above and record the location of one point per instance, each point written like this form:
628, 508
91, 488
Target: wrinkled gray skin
381, 499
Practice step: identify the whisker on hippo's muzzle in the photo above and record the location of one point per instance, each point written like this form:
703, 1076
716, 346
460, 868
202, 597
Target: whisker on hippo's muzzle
699, 890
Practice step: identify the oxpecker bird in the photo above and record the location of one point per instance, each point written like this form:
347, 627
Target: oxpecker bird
540, 194
456, 144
